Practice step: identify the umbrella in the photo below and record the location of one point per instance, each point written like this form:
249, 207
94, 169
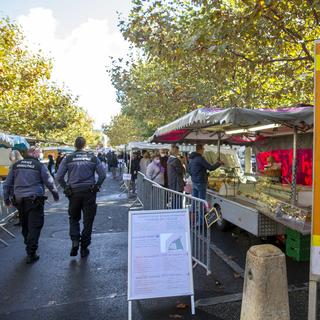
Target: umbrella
5, 141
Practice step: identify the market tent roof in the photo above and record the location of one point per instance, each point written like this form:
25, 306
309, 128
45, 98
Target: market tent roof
204, 124
59, 149
19, 143
146, 146
5, 141
13, 141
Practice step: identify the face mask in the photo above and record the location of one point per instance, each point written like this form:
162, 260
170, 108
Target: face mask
157, 161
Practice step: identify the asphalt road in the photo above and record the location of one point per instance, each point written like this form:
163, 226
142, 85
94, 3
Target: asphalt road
61, 287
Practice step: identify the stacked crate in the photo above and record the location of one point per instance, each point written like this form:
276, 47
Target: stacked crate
297, 245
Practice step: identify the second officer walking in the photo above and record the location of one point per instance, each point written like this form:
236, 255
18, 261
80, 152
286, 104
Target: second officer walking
81, 189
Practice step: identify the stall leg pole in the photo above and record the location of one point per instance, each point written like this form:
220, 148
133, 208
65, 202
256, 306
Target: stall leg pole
130, 161
294, 167
126, 157
219, 145
247, 160
315, 223
312, 311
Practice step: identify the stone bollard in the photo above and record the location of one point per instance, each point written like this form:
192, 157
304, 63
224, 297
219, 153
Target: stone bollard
265, 291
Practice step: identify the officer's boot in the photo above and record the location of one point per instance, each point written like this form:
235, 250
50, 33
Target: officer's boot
84, 251
31, 258
74, 248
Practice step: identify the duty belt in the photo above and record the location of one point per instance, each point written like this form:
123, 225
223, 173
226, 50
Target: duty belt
80, 189
33, 199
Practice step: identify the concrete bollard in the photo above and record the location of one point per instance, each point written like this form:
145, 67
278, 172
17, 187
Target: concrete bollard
265, 291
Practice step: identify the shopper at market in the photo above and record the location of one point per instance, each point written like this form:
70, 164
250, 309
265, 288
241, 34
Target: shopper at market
102, 159
164, 163
155, 171
24, 188
113, 164
58, 161
175, 170
81, 190
109, 156
134, 169
50, 164
144, 162
198, 167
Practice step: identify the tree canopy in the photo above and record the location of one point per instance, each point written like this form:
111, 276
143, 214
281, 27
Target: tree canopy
190, 54
122, 130
30, 104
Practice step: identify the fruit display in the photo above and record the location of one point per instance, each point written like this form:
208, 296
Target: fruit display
265, 192
273, 206
222, 176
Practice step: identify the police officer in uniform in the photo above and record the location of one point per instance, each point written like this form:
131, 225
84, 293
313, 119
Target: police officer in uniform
81, 188
24, 188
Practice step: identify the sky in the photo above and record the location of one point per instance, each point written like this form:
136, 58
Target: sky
80, 36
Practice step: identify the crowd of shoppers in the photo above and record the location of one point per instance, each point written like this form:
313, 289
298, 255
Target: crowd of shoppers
170, 170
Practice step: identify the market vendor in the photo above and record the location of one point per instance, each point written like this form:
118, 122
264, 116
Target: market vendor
272, 168
198, 167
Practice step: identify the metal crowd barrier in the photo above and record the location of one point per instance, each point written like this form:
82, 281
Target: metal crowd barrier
155, 197
5, 215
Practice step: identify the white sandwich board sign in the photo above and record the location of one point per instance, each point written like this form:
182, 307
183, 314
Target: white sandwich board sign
159, 256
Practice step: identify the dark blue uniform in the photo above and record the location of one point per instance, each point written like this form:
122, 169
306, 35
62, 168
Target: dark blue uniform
26, 185
82, 186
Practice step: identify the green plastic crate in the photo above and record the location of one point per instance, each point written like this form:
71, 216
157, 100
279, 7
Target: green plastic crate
298, 254
302, 243
297, 245
296, 239
294, 233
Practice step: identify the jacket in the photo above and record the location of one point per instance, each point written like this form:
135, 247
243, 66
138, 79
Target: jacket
144, 162
198, 167
134, 168
164, 163
81, 167
113, 161
175, 174
27, 178
155, 173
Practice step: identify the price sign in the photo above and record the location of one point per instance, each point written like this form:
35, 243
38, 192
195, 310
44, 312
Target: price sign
212, 217
126, 177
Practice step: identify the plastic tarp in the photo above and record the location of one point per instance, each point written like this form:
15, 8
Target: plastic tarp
14, 142
209, 121
5, 141
19, 143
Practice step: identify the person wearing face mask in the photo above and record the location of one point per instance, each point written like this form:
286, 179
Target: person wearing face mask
155, 171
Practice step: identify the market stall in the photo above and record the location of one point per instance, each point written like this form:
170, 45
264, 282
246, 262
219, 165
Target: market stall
142, 145
55, 150
276, 197
7, 144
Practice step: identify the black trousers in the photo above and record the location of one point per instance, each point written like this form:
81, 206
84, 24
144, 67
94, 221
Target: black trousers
32, 219
82, 202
